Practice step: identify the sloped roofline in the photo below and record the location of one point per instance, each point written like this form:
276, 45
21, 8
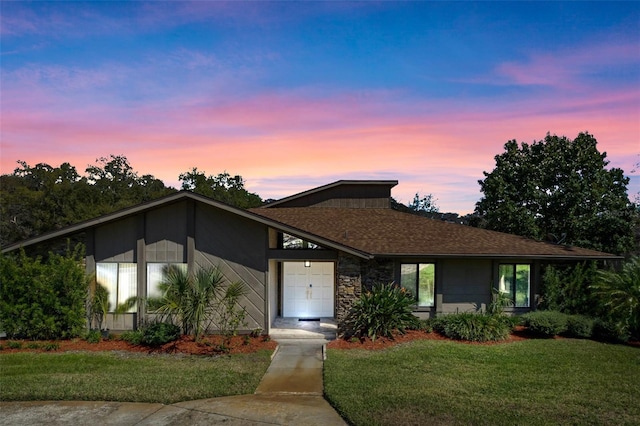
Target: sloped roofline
389, 183
173, 198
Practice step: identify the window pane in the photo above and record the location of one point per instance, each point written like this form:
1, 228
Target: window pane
107, 276
154, 278
523, 281
409, 277
505, 272
291, 242
426, 284
127, 283
155, 275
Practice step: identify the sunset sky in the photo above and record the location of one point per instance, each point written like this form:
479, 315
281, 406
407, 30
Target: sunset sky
293, 95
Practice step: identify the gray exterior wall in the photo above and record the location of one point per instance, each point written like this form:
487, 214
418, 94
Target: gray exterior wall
116, 242
238, 246
166, 234
463, 285
187, 232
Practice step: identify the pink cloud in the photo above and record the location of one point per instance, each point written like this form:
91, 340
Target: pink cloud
566, 69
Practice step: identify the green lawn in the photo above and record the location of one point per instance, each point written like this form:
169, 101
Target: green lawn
103, 376
563, 381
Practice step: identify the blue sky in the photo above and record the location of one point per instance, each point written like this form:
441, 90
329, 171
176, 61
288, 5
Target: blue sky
296, 94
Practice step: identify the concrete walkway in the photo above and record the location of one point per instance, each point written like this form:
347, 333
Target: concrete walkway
290, 393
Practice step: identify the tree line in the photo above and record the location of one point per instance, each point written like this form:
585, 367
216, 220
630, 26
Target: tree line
556, 189
42, 198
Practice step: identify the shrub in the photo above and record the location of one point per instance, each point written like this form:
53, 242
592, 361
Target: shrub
33, 345
568, 288
132, 336
51, 346
579, 326
476, 327
93, 336
619, 295
43, 300
610, 331
545, 323
197, 300
425, 325
160, 333
381, 312
11, 344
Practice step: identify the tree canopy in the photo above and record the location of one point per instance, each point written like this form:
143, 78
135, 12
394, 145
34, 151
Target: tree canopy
41, 198
559, 189
223, 187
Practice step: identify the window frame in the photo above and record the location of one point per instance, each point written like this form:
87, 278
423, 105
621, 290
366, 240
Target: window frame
115, 296
183, 265
416, 284
513, 291
289, 242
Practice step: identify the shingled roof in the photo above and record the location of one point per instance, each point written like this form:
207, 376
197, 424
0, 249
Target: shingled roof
387, 232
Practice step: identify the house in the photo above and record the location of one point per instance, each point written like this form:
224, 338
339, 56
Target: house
311, 255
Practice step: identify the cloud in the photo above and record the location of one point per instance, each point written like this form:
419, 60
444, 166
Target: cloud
571, 69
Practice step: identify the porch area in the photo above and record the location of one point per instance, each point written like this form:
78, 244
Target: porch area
299, 328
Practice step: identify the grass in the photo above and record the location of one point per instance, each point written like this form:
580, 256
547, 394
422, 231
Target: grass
127, 377
562, 381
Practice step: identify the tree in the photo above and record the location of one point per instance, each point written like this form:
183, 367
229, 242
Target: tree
425, 204
223, 187
560, 190
43, 198
421, 206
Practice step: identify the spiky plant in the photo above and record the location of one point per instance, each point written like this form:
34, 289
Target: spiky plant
620, 293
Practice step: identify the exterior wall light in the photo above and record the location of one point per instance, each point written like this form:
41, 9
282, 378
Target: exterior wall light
307, 264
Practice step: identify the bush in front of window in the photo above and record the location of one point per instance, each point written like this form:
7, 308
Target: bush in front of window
159, 333
474, 327
381, 312
545, 323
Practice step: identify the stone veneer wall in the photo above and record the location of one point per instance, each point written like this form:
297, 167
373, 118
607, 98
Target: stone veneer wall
349, 284
354, 274
377, 271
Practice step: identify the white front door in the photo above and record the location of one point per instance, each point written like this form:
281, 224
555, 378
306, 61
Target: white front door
307, 290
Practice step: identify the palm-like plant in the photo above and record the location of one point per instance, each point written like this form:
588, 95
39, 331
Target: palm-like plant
193, 300
620, 292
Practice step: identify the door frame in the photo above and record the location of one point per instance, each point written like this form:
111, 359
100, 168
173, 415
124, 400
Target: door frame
281, 286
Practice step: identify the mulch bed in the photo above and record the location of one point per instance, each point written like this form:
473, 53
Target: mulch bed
409, 336
209, 345
519, 334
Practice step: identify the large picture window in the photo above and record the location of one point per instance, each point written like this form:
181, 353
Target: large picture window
419, 279
120, 280
515, 281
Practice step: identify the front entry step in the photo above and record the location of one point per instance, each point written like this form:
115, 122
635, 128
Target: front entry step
294, 328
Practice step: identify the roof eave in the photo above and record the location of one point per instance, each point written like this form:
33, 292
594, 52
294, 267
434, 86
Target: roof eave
390, 183
111, 217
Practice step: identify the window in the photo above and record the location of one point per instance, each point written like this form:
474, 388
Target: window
155, 275
290, 242
419, 279
120, 279
515, 281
